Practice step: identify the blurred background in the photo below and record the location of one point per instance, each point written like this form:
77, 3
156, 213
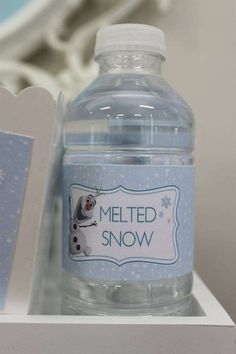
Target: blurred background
49, 43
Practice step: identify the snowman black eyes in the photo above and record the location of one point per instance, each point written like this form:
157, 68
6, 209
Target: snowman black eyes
74, 226
88, 200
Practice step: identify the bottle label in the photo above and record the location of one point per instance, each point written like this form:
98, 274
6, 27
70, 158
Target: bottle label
128, 222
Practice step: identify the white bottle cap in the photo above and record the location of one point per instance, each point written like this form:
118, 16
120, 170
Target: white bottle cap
130, 36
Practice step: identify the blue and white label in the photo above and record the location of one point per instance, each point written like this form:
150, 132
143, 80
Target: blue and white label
15, 161
128, 223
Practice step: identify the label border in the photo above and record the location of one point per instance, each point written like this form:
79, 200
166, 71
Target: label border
134, 259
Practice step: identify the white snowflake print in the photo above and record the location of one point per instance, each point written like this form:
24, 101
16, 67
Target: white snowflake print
165, 201
2, 175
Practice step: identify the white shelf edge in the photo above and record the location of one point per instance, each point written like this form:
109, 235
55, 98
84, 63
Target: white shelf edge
215, 315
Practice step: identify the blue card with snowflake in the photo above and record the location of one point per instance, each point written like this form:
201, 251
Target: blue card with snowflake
15, 159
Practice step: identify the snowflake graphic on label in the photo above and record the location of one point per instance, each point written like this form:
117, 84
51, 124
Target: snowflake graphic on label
166, 201
120, 225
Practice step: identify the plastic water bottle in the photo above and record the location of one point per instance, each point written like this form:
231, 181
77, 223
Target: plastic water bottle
128, 184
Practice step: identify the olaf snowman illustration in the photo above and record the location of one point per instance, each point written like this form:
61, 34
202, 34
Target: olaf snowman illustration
82, 213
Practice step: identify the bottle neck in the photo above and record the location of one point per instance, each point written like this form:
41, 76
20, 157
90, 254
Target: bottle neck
129, 62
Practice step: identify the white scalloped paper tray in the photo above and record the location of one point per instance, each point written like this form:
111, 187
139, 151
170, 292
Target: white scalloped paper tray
28, 119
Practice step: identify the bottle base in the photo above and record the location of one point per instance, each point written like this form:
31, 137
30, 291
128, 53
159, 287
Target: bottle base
181, 308
169, 297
